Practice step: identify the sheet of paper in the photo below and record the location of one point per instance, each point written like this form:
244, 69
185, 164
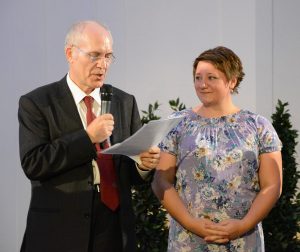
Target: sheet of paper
149, 135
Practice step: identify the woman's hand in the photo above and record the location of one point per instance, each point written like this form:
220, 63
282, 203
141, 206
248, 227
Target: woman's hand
233, 228
207, 229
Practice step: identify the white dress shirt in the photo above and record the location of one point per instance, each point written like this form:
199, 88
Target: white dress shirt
78, 96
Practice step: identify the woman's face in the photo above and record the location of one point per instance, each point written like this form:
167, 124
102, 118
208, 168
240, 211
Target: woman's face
211, 85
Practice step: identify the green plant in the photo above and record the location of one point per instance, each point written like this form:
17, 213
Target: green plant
151, 113
151, 223
176, 105
283, 222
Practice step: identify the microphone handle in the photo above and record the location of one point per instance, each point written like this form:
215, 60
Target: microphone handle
105, 108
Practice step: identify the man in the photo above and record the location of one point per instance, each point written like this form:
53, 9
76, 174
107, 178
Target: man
60, 132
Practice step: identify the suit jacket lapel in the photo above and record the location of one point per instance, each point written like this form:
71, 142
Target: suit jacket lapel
69, 109
115, 108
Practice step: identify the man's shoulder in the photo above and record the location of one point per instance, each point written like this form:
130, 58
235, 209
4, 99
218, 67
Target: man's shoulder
47, 89
117, 92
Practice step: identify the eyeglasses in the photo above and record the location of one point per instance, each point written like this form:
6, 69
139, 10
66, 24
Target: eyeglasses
95, 56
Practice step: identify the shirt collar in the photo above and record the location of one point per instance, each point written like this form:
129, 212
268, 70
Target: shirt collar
78, 94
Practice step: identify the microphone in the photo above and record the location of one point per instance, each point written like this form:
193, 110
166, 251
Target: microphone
106, 94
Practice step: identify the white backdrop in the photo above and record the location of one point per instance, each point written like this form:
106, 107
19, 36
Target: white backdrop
155, 44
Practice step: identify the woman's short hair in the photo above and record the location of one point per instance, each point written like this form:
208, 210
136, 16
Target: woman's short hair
225, 60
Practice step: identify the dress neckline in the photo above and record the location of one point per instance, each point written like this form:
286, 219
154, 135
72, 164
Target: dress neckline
230, 118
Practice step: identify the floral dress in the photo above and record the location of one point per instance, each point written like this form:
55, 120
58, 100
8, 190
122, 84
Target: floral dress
217, 173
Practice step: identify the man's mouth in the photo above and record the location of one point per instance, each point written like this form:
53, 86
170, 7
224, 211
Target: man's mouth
99, 75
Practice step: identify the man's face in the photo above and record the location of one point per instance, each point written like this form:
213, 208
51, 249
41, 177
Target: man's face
90, 58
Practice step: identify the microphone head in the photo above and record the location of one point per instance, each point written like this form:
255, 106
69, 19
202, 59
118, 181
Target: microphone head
106, 92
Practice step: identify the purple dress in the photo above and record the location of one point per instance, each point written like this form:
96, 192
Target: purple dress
217, 173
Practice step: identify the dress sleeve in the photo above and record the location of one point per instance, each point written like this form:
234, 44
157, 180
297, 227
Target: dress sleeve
267, 136
169, 143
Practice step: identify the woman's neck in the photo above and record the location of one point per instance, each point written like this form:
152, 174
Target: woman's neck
213, 111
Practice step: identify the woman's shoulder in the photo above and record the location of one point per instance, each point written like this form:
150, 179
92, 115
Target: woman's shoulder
255, 117
256, 121
182, 113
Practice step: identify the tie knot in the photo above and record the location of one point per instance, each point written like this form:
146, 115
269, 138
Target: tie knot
88, 101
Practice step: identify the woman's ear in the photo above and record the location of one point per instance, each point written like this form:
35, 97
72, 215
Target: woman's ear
232, 83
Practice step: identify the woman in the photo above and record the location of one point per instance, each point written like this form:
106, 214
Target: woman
225, 164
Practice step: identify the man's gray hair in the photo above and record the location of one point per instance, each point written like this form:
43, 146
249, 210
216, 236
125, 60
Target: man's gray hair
75, 32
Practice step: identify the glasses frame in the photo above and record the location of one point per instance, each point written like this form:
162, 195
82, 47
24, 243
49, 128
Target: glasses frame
108, 59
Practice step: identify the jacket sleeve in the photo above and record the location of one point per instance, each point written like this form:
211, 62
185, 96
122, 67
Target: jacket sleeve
42, 155
137, 177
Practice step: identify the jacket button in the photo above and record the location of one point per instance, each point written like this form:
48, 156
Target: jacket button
86, 216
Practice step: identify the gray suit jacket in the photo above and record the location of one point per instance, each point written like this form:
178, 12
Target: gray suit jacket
56, 155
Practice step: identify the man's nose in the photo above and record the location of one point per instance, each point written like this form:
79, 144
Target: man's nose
102, 63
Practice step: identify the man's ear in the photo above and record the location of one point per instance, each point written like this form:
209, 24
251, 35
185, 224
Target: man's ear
69, 53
